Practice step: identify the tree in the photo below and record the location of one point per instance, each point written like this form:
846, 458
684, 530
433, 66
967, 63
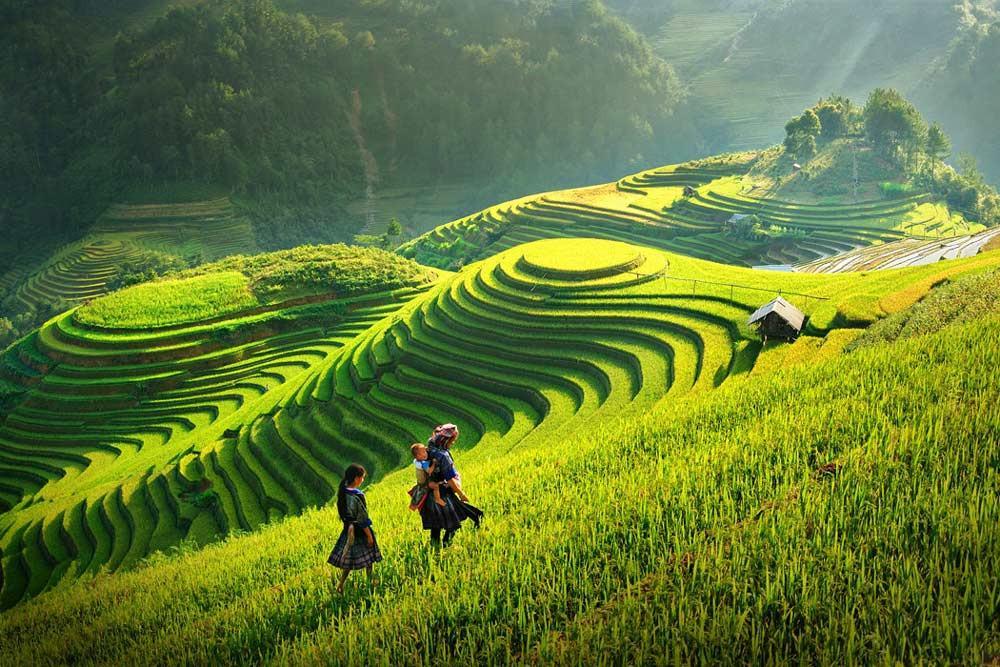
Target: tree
801, 145
748, 228
808, 123
834, 116
968, 167
801, 133
893, 125
938, 143
394, 229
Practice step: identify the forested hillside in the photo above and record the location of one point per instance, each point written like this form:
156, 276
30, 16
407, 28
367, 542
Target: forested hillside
304, 108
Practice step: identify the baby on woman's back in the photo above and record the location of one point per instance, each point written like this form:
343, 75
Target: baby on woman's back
424, 468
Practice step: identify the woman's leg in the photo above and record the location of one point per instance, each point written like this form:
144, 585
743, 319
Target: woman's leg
448, 535
372, 581
435, 537
343, 579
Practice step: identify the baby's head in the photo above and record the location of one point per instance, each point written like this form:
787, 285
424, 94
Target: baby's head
419, 451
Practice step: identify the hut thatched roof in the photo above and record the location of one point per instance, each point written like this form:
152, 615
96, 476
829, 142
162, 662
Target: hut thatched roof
785, 310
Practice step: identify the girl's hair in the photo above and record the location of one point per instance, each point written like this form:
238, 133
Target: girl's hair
352, 473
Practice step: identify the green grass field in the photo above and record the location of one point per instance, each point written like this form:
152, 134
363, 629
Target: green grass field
125, 441
843, 509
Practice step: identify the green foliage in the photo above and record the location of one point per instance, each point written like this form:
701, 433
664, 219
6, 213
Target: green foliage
964, 300
965, 190
836, 116
749, 227
279, 223
171, 302
963, 91
393, 231
893, 125
322, 269
8, 334
891, 190
938, 143
807, 123
240, 95
801, 133
49, 179
147, 266
204, 107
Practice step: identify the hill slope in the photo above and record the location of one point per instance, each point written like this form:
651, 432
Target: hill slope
106, 407
708, 528
651, 208
122, 441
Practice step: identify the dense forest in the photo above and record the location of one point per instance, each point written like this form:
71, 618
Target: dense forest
304, 107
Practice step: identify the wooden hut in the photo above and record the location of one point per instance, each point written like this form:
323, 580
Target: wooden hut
689, 191
778, 319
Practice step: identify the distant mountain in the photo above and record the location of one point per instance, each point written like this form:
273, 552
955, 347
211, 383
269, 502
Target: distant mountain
749, 65
970, 74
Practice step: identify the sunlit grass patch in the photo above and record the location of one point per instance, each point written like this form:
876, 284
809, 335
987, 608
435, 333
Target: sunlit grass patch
171, 302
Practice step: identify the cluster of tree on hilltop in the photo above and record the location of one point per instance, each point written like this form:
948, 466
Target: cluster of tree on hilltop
243, 94
892, 126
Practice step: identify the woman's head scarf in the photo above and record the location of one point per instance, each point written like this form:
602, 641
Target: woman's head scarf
443, 435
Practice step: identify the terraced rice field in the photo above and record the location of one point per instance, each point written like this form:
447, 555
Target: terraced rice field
907, 252
106, 453
77, 273
81, 270
210, 228
127, 441
626, 215
688, 37
620, 490
528, 342
650, 208
11, 278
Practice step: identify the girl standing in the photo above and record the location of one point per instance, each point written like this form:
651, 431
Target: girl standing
356, 547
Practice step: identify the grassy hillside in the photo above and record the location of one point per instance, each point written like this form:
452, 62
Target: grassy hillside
808, 515
123, 441
128, 237
106, 408
806, 215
